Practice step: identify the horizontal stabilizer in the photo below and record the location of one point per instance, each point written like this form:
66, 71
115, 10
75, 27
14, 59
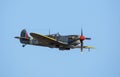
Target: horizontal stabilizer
17, 37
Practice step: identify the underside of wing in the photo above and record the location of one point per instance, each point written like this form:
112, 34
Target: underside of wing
48, 40
86, 47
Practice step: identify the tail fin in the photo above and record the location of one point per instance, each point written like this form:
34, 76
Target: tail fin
24, 37
24, 34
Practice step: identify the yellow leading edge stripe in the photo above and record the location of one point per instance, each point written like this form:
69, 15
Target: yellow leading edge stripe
44, 36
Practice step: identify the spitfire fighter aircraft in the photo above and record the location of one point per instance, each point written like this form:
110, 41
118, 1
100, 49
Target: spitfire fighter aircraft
54, 40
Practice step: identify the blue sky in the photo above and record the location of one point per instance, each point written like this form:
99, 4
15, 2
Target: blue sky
100, 20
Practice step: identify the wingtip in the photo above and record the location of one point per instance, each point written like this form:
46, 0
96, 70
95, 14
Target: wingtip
90, 47
32, 33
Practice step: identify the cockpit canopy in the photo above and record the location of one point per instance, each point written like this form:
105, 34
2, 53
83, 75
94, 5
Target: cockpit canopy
54, 35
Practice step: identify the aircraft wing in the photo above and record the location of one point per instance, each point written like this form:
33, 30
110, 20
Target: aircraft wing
48, 40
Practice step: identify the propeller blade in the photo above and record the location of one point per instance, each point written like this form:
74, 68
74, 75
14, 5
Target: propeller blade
81, 46
81, 39
81, 32
88, 38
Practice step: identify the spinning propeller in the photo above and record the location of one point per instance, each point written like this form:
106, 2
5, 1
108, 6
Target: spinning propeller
82, 38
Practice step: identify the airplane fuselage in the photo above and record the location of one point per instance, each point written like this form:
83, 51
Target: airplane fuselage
63, 42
